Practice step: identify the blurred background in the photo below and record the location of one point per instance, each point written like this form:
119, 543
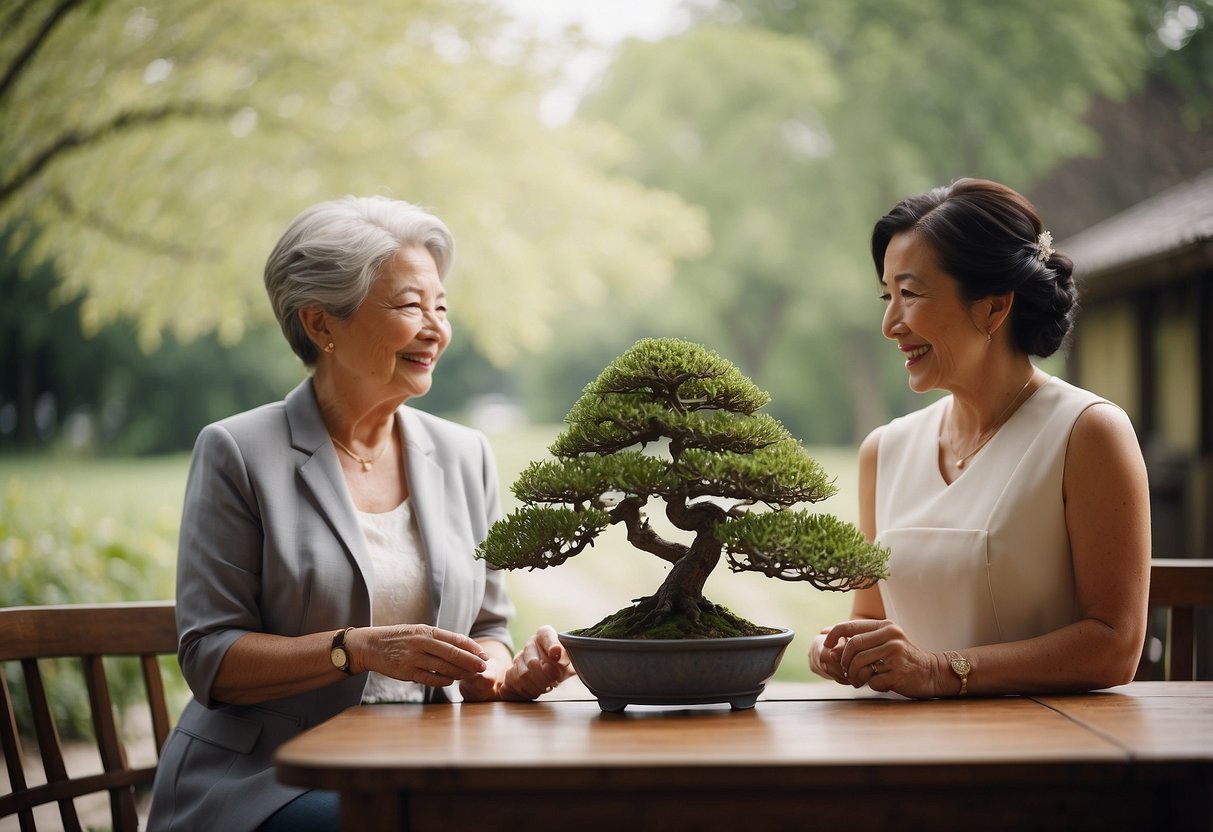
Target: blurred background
611, 169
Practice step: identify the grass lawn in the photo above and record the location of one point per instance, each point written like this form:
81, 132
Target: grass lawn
606, 577
124, 490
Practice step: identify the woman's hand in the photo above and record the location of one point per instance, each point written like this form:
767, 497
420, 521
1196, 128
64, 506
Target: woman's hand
540, 665
827, 661
878, 654
416, 653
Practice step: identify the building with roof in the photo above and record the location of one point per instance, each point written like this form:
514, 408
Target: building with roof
1144, 339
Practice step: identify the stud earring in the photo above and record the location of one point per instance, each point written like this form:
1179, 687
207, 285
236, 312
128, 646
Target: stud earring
330, 346
989, 337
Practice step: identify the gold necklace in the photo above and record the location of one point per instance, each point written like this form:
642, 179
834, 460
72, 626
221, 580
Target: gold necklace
984, 439
367, 463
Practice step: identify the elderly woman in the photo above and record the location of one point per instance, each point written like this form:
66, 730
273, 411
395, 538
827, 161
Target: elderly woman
1015, 509
326, 548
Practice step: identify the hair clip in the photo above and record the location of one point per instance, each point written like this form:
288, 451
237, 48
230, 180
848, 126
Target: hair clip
1044, 245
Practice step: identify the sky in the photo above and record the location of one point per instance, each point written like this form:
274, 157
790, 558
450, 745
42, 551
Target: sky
604, 23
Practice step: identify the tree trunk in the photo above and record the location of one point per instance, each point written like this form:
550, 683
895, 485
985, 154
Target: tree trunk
863, 382
682, 589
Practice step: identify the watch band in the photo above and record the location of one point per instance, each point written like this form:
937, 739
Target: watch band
961, 667
339, 654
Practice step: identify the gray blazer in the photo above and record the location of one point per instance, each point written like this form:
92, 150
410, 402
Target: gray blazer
270, 543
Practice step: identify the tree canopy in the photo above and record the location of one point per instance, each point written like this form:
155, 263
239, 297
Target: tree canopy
155, 150
720, 460
796, 125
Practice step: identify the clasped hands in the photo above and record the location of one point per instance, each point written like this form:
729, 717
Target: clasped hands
484, 671
877, 654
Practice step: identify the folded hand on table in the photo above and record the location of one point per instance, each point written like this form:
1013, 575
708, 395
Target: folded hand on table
878, 654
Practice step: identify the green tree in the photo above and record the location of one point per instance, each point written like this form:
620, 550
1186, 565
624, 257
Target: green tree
945, 88
724, 458
734, 120
1160, 136
105, 391
799, 123
158, 148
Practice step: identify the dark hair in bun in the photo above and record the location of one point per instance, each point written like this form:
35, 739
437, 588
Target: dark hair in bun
991, 240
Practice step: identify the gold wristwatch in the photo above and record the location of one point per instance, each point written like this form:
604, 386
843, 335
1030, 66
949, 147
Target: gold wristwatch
961, 667
339, 654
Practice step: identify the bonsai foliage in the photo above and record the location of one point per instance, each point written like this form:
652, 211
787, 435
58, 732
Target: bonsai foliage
672, 421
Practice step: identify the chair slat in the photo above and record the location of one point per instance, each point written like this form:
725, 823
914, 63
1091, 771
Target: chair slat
153, 684
14, 752
1181, 643
69, 789
109, 742
49, 746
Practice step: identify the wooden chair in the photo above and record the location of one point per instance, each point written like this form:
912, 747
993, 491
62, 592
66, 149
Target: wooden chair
1181, 586
89, 632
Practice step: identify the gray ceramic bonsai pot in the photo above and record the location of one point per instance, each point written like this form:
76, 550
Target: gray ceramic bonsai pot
622, 672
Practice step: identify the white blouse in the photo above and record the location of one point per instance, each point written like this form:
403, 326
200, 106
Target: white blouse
985, 559
401, 592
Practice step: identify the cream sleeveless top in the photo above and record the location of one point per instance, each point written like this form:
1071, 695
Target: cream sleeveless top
401, 593
986, 559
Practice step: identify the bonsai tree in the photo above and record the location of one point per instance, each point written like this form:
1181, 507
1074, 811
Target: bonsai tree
672, 421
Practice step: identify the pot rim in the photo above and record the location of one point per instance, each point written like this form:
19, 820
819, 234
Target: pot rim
784, 636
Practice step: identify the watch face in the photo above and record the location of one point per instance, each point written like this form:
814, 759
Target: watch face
339, 658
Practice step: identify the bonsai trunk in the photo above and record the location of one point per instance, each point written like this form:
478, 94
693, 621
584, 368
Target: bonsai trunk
682, 589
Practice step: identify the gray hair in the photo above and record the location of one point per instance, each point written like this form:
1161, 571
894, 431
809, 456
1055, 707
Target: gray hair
332, 252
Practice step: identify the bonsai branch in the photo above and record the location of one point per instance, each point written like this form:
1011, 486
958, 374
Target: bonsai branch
788, 571
641, 534
698, 518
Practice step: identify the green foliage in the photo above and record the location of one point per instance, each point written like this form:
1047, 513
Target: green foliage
155, 150
104, 394
783, 474
586, 479
536, 537
54, 552
802, 546
615, 421
718, 461
678, 374
945, 88
797, 124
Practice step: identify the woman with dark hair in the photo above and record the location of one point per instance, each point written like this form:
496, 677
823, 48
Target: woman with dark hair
326, 553
1016, 509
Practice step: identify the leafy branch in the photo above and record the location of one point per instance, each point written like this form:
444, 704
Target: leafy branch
25, 55
130, 120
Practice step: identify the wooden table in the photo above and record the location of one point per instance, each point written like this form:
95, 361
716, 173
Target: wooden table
808, 756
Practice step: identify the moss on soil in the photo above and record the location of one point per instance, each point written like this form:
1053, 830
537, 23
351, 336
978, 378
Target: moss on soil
636, 622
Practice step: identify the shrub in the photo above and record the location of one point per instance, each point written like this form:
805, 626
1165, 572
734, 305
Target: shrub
52, 552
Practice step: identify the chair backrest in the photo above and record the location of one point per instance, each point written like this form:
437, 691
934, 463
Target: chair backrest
89, 632
1180, 586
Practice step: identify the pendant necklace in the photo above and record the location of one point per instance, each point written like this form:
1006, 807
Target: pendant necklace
367, 463
962, 461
